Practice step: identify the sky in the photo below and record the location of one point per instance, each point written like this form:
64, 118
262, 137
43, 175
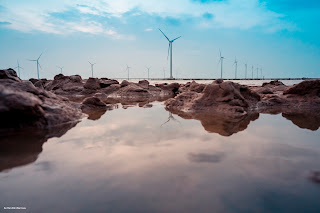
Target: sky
279, 37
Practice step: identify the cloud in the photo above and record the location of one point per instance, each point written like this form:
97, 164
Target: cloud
93, 16
148, 29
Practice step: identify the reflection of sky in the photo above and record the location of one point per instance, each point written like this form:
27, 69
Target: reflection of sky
281, 37
126, 162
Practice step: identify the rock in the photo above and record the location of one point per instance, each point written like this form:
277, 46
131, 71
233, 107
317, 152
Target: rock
75, 78
107, 83
273, 83
92, 84
33, 80
39, 84
24, 106
124, 83
9, 74
173, 87
144, 84
218, 81
93, 102
305, 88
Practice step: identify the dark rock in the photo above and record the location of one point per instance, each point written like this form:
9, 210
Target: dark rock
39, 84
75, 78
107, 83
92, 84
309, 88
9, 74
273, 83
93, 101
33, 80
24, 106
144, 84
124, 83
218, 81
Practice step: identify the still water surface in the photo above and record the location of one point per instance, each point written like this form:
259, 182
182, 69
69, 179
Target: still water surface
147, 160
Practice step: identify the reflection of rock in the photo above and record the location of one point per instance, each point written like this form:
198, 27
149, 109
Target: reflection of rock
20, 148
315, 176
22, 105
304, 119
205, 157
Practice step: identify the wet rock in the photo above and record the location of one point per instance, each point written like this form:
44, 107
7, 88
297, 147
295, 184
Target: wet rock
192, 87
92, 84
173, 87
107, 83
94, 102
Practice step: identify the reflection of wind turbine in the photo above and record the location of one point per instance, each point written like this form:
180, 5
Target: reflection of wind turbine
170, 118
38, 64
246, 66
92, 64
221, 61
170, 50
60, 69
128, 69
148, 68
236, 67
18, 68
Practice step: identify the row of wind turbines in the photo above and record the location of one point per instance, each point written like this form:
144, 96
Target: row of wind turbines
148, 68
235, 64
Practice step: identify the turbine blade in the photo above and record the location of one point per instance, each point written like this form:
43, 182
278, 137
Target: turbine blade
176, 39
40, 55
219, 62
31, 60
164, 35
220, 53
39, 65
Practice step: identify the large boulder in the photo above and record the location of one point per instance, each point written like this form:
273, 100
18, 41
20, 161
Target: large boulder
92, 84
22, 105
229, 98
9, 74
309, 88
106, 83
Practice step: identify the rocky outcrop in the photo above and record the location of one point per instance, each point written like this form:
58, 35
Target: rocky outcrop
22, 105
227, 98
306, 88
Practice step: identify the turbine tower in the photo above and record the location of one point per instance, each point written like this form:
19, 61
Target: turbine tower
257, 72
60, 69
148, 68
221, 61
170, 50
252, 71
92, 64
246, 66
38, 64
261, 72
128, 69
236, 67
18, 68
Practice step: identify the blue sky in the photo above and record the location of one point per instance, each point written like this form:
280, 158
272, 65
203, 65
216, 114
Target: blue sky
279, 36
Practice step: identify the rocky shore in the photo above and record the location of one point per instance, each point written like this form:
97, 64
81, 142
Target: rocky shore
223, 107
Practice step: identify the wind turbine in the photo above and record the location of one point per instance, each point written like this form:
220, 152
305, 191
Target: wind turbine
246, 66
261, 72
221, 61
252, 71
18, 68
128, 69
148, 68
92, 64
38, 64
257, 72
170, 50
60, 69
236, 67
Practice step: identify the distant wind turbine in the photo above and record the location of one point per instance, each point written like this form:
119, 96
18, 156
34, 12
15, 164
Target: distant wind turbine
246, 66
92, 64
170, 50
18, 68
221, 61
38, 64
148, 68
236, 67
128, 69
261, 72
60, 69
257, 72
252, 71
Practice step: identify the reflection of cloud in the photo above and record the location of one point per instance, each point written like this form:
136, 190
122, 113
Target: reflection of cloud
205, 157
